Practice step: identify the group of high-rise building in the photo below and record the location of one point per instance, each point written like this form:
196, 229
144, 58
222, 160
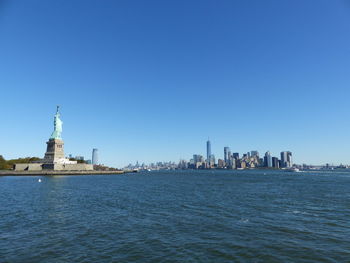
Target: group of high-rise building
153, 166
274, 162
232, 160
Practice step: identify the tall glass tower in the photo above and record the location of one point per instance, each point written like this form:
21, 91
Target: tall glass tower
95, 156
286, 159
226, 154
208, 151
268, 159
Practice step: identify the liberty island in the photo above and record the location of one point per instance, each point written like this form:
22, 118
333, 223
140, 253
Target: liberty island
54, 161
54, 157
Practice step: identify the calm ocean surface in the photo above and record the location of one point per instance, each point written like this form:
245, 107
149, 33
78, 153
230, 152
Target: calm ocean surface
177, 216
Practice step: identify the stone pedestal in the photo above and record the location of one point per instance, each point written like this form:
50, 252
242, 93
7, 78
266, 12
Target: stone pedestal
54, 151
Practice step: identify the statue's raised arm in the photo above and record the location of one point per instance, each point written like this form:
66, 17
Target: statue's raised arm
57, 126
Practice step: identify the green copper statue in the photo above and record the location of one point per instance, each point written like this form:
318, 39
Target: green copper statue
58, 126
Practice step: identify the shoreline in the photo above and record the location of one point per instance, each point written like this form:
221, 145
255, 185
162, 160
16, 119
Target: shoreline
59, 173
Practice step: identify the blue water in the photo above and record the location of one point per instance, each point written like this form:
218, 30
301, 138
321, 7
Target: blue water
177, 216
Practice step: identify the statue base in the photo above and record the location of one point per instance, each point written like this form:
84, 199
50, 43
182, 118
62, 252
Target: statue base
54, 151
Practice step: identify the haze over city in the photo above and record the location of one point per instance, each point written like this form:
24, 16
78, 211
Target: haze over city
151, 80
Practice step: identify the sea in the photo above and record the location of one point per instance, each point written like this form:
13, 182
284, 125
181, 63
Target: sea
177, 216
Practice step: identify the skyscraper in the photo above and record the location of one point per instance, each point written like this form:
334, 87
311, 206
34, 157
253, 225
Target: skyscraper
229, 158
212, 161
226, 154
235, 156
233, 163
95, 156
221, 163
275, 162
254, 154
208, 151
268, 160
197, 158
286, 159
283, 159
289, 159
198, 161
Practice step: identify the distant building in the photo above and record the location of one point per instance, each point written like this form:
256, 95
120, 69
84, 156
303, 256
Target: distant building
183, 164
232, 163
268, 160
262, 162
254, 154
226, 154
208, 151
242, 164
286, 159
283, 159
289, 159
251, 164
95, 156
198, 162
212, 161
275, 162
221, 163
235, 156
79, 158
197, 158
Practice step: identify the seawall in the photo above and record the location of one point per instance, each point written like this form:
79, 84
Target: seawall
52, 172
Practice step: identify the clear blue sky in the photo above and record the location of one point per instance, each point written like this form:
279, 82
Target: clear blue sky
151, 80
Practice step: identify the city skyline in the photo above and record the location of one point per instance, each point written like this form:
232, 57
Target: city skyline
152, 80
227, 160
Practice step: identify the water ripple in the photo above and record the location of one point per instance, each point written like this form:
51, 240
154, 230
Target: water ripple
220, 216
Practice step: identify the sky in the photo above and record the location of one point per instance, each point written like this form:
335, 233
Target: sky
152, 80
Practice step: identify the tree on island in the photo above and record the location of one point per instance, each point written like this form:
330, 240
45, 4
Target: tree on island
7, 165
78, 161
3, 163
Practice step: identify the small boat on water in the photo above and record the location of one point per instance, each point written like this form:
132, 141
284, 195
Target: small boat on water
294, 169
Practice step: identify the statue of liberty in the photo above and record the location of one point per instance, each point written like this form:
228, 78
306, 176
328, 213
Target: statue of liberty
58, 126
